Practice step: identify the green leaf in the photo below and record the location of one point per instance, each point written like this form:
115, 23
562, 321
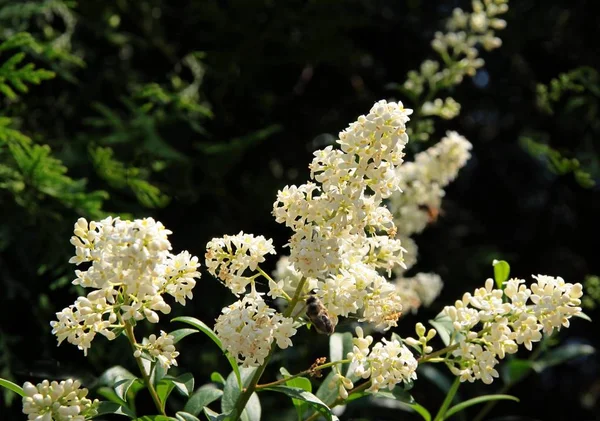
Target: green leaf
123, 386
561, 354
202, 327
106, 408
183, 383
12, 387
179, 334
303, 395
231, 393
324, 392
501, 272
515, 369
213, 416
475, 401
217, 378
163, 389
397, 393
445, 329
184, 416
422, 411
202, 397
435, 376
340, 344
110, 394
301, 383
156, 418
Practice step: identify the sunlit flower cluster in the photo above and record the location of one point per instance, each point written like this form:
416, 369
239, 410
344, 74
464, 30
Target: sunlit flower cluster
248, 327
228, 257
386, 364
160, 348
337, 217
64, 401
494, 322
130, 270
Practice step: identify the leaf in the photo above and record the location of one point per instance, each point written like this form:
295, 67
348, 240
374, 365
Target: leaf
184, 416
179, 334
217, 378
113, 408
397, 393
123, 386
324, 392
202, 327
501, 272
156, 418
202, 397
231, 393
422, 411
110, 394
435, 376
183, 383
340, 344
163, 389
12, 386
301, 383
213, 416
443, 324
475, 401
515, 369
303, 395
561, 354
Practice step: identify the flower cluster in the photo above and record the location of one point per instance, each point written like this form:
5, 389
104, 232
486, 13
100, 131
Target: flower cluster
230, 256
506, 318
386, 364
248, 328
336, 217
161, 348
64, 401
131, 269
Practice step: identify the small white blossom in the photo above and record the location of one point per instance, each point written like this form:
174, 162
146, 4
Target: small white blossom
228, 257
162, 348
247, 329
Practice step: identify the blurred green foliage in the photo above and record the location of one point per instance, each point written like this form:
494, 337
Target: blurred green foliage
197, 112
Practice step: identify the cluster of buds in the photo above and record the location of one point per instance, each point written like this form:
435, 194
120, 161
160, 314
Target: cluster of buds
58, 401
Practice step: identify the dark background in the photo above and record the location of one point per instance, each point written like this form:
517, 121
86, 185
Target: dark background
280, 79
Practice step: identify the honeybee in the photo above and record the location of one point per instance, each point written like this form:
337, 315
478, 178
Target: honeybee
318, 315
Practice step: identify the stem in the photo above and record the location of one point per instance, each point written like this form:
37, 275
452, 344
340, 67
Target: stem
490, 405
449, 397
131, 336
302, 373
268, 278
249, 390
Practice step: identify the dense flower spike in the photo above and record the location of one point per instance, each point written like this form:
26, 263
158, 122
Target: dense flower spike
64, 401
247, 329
493, 322
131, 269
337, 217
228, 257
386, 364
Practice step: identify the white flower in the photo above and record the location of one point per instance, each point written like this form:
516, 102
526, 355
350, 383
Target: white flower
64, 401
507, 318
228, 257
162, 348
247, 329
130, 269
